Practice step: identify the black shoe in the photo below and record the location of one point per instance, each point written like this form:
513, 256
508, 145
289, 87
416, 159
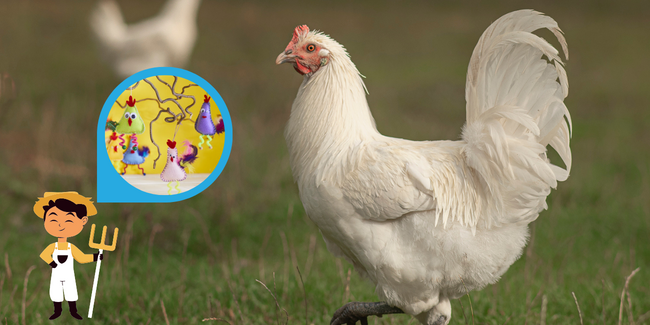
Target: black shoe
73, 310
57, 310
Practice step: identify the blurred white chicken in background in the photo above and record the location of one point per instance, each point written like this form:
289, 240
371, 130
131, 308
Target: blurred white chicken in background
429, 221
165, 40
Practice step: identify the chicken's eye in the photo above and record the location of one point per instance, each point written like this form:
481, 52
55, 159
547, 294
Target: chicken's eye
202, 110
133, 116
126, 115
311, 48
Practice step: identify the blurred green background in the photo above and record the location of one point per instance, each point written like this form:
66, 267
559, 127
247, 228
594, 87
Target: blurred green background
180, 263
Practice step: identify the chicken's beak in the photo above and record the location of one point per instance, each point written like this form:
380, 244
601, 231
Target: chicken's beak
285, 57
130, 121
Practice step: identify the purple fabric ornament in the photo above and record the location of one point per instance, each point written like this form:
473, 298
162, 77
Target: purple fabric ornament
204, 124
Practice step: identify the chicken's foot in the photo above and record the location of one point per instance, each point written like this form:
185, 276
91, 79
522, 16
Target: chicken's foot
354, 312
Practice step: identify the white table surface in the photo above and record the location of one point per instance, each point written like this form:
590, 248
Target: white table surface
151, 183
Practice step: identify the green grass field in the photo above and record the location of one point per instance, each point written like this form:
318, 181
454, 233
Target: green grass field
180, 263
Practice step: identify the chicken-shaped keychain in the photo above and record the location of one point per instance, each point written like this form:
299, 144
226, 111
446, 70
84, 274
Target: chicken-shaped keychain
175, 166
204, 124
131, 122
134, 155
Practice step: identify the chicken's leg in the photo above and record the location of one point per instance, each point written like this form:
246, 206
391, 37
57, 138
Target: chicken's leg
352, 312
202, 141
209, 141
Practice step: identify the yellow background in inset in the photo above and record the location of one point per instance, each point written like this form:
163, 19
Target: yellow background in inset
207, 158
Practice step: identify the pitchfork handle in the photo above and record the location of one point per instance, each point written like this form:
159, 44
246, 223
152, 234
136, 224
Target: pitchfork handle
92, 296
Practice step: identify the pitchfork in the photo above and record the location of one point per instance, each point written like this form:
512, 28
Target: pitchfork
101, 246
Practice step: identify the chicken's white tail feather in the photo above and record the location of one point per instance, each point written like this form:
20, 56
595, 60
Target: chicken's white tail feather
515, 109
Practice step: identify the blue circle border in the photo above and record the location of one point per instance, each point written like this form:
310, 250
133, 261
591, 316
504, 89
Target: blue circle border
111, 187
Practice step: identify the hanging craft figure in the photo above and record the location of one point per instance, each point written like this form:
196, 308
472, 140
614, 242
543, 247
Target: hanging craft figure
204, 124
131, 122
134, 155
175, 166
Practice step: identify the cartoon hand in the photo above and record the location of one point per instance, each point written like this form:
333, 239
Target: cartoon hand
53, 264
101, 257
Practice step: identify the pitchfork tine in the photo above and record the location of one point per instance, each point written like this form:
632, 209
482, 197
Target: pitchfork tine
102, 243
104, 235
112, 248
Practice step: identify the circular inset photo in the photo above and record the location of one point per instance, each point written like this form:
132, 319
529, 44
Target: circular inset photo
165, 134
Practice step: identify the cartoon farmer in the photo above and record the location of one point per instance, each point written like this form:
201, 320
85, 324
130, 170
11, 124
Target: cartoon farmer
64, 215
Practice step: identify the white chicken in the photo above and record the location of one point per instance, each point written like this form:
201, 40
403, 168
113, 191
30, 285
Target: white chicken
428, 221
162, 41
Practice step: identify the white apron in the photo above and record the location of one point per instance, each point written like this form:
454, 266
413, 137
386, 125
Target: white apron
62, 283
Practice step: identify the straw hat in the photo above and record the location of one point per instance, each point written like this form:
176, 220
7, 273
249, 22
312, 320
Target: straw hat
72, 196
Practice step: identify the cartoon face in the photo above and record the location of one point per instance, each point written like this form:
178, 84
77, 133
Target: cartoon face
205, 111
131, 122
63, 224
172, 155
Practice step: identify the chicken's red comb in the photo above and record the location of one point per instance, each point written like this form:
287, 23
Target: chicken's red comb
206, 98
131, 101
301, 30
171, 144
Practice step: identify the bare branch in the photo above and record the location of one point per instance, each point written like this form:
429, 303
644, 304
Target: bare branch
188, 86
134, 86
168, 119
160, 99
180, 95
